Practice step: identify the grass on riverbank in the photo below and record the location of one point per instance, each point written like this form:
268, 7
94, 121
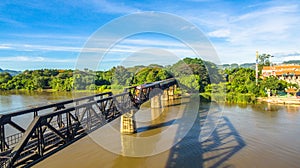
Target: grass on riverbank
243, 98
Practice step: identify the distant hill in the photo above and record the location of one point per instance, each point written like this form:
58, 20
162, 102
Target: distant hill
235, 65
292, 62
252, 65
248, 65
11, 72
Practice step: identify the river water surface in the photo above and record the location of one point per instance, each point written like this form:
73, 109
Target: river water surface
11, 101
261, 135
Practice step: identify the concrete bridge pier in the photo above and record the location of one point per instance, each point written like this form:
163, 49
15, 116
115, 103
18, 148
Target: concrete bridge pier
156, 101
159, 100
165, 99
171, 92
128, 123
156, 105
165, 95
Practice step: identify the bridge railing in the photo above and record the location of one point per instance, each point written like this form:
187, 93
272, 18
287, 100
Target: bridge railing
141, 93
13, 125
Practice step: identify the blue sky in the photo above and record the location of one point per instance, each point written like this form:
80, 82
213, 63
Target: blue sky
50, 34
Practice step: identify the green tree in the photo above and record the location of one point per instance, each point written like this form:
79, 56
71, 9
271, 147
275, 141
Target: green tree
5, 77
274, 84
264, 60
191, 82
121, 76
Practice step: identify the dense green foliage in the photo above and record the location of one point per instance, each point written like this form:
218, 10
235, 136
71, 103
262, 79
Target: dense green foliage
241, 87
149, 74
66, 80
5, 77
194, 76
195, 73
39, 79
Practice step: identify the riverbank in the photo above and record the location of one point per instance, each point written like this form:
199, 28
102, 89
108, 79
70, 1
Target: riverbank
280, 100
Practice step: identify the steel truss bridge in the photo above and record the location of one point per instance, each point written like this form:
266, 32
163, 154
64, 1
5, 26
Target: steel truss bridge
42, 131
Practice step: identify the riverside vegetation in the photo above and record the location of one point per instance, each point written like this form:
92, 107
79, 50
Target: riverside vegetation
235, 85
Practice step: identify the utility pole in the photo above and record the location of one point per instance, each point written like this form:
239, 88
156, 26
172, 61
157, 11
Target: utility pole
271, 65
256, 69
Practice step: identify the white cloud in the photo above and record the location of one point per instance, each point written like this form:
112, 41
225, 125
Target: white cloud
221, 33
50, 36
4, 46
273, 23
113, 7
32, 47
143, 57
267, 11
125, 46
188, 28
268, 27
33, 59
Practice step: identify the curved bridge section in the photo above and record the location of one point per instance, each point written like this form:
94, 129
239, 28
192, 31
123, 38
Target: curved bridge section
51, 127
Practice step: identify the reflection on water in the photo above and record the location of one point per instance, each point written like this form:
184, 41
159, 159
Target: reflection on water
292, 108
271, 133
266, 107
222, 143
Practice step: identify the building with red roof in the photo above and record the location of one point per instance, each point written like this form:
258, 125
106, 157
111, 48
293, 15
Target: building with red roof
287, 72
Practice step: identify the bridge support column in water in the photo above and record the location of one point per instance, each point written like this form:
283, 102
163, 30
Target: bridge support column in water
156, 104
156, 101
128, 123
165, 95
171, 92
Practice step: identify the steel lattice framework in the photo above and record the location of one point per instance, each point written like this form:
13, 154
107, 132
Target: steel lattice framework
54, 126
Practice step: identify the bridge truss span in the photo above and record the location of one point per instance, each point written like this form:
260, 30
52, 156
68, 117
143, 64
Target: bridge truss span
52, 127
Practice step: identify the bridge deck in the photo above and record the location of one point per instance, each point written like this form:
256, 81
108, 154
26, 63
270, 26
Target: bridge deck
88, 153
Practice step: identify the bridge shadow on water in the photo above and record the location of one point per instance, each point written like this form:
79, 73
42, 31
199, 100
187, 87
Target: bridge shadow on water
196, 151
160, 125
211, 142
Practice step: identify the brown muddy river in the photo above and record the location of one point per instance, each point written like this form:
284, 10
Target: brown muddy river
215, 136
